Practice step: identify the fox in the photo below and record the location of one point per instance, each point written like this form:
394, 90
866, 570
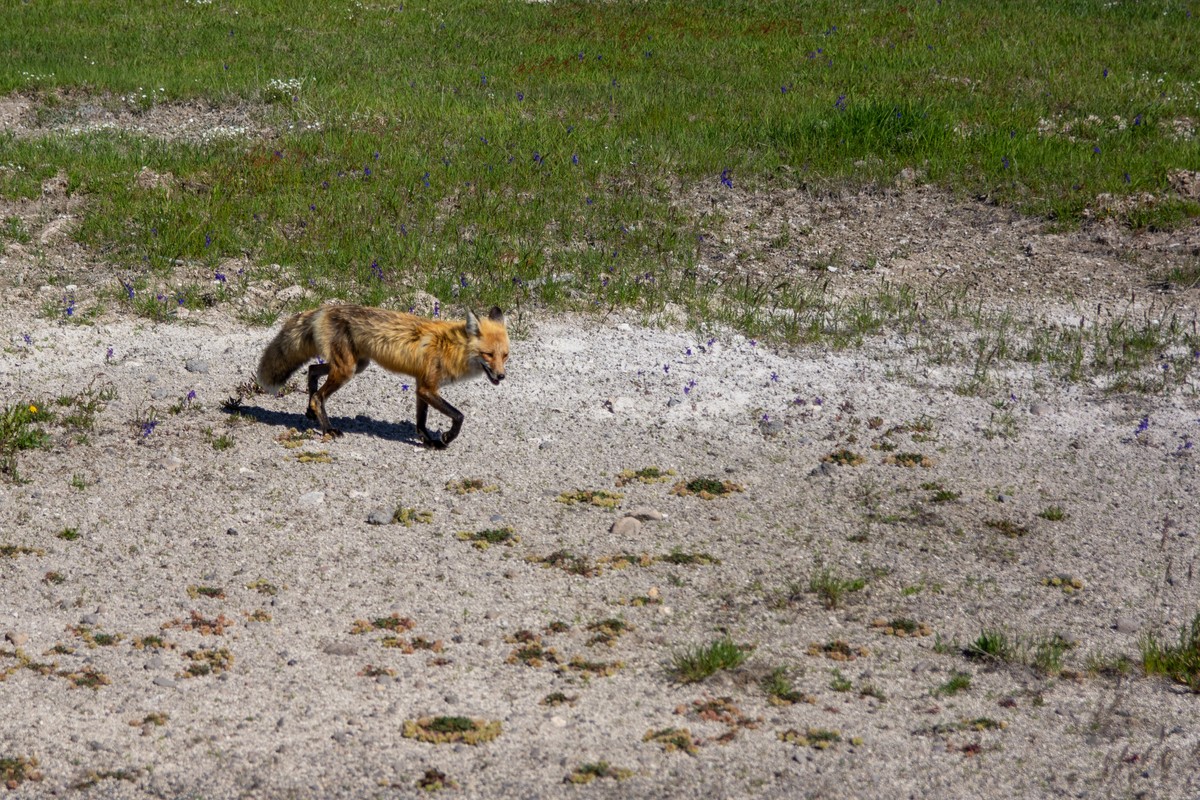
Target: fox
349, 337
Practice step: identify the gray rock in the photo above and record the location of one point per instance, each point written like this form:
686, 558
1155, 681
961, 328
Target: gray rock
1127, 625
197, 365
825, 469
164, 682
311, 498
154, 663
645, 513
1004, 498
545, 446
674, 401
231, 532
496, 518
1039, 408
90, 619
626, 526
379, 516
770, 427
340, 648
159, 393
17, 639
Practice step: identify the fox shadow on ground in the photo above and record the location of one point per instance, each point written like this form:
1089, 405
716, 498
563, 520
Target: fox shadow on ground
405, 432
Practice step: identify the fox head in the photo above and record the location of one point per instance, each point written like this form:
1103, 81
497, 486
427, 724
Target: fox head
488, 343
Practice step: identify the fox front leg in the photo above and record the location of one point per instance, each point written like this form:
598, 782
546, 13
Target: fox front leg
425, 399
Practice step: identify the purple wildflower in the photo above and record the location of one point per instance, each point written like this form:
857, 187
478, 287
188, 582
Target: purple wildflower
219, 277
1144, 425
726, 178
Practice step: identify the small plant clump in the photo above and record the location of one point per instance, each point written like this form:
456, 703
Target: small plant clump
682, 559
901, 627
838, 650
599, 669
211, 592
87, 678
482, 540
1180, 662
697, 663
844, 458
586, 773
470, 486
705, 488
992, 645
530, 650
958, 682
207, 661
315, 457
263, 586
607, 631
816, 738
15, 770
393, 622
1007, 527
599, 497
292, 438
451, 730
558, 699
831, 588
411, 516
910, 460
1068, 583
434, 780
672, 739
68, 534
14, 550
373, 671
780, 691
1053, 513
19, 431
644, 475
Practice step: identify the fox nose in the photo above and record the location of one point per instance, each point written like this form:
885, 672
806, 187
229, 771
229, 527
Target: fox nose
499, 376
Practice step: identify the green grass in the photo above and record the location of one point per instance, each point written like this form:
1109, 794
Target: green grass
530, 152
20, 430
832, 589
958, 682
1180, 662
697, 663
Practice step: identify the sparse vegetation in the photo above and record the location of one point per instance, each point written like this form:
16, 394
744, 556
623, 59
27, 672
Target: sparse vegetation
600, 497
1180, 662
705, 488
697, 663
831, 589
451, 730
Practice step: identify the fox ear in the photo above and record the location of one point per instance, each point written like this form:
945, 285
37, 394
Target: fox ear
496, 315
472, 325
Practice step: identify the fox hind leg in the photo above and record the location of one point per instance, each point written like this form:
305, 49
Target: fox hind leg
339, 370
315, 373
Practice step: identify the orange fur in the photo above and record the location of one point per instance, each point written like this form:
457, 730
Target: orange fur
350, 337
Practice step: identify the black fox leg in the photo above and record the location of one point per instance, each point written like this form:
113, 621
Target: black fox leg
315, 373
338, 371
427, 398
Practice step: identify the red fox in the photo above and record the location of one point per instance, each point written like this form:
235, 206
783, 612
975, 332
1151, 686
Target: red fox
350, 337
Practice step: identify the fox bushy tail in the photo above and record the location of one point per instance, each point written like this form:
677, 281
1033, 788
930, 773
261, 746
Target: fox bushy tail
292, 346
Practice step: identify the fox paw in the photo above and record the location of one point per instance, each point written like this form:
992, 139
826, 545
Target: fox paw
435, 442
333, 433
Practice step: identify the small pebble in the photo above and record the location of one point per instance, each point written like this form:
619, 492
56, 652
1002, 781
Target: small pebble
1004, 498
311, 498
1127, 625
1039, 408
196, 365
17, 639
379, 516
164, 682
770, 427
154, 663
159, 393
496, 518
90, 619
231, 532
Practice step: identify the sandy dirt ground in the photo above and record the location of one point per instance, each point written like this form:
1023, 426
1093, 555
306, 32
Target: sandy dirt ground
199, 601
